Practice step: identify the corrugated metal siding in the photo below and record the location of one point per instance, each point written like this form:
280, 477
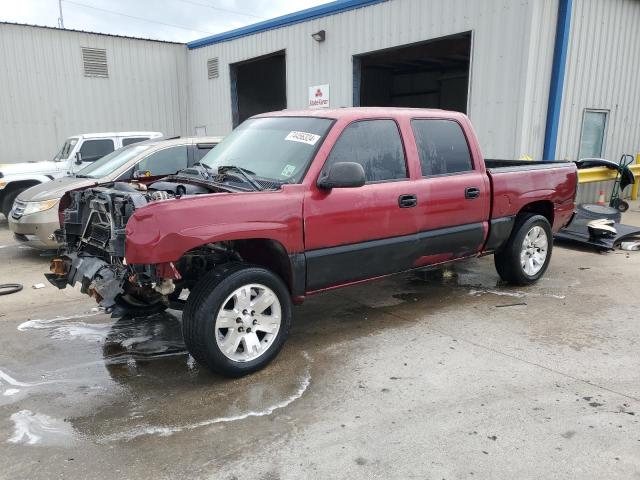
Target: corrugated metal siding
603, 72
46, 97
510, 71
590, 192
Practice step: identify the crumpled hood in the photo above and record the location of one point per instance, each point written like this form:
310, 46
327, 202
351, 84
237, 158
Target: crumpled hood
54, 189
32, 167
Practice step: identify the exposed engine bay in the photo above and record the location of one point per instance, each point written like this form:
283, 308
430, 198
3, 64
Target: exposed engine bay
94, 236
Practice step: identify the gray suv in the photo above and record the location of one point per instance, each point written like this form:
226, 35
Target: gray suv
34, 216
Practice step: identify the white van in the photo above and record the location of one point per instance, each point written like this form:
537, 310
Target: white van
76, 153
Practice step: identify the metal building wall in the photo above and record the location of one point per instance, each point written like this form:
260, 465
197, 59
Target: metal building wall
46, 97
510, 70
603, 72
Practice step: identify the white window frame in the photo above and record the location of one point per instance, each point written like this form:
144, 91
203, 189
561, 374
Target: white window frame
604, 133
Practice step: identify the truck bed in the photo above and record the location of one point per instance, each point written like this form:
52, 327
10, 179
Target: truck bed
499, 165
551, 182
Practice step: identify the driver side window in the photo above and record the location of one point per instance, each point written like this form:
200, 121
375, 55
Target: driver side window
92, 150
165, 162
374, 144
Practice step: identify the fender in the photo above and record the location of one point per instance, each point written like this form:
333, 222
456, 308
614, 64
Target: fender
164, 231
25, 177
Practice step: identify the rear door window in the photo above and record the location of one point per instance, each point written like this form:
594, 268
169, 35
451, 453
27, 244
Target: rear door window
374, 144
130, 140
165, 162
92, 150
442, 147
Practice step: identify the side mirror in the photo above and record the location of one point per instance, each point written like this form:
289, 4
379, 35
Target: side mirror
141, 174
78, 158
342, 175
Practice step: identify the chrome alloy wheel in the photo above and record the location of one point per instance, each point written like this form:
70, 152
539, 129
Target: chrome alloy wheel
534, 250
248, 322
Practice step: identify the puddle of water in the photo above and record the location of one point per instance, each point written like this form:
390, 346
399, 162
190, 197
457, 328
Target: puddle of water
12, 387
163, 431
42, 324
39, 429
516, 294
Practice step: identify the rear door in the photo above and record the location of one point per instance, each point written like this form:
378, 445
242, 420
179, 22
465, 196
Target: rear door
164, 162
356, 233
453, 193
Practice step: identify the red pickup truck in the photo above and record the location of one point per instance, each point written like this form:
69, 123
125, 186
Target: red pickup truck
294, 203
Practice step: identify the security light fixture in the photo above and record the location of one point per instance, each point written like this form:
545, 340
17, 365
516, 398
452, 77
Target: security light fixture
319, 36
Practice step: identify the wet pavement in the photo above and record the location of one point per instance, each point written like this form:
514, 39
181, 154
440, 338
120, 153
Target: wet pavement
452, 376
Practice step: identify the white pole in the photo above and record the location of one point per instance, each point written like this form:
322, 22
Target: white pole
60, 18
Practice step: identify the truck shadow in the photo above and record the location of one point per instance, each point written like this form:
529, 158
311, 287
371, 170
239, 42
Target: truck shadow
151, 350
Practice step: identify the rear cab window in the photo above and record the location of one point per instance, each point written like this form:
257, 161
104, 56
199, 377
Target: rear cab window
376, 145
442, 147
130, 140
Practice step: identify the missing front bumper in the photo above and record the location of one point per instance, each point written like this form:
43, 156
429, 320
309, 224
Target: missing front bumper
97, 278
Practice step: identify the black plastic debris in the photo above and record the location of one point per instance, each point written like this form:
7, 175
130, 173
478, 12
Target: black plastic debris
578, 231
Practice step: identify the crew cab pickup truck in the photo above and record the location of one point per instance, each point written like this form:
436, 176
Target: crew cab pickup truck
295, 203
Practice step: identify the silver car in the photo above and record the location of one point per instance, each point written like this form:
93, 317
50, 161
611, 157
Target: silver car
34, 216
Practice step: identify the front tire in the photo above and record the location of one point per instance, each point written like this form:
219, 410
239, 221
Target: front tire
237, 319
7, 202
527, 253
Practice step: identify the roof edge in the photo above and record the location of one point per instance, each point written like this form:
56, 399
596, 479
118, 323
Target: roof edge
73, 30
324, 10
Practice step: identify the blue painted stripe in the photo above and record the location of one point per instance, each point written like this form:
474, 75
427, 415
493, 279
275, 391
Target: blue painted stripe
557, 79
296, 17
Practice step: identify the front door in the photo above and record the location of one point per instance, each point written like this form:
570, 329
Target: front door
356, 233
92, 150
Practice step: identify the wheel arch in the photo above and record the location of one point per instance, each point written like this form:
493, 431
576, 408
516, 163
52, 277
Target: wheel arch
272, 255
263, 252
16, 185
539, 207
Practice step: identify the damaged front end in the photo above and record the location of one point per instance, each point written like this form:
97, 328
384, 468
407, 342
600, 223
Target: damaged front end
94, 235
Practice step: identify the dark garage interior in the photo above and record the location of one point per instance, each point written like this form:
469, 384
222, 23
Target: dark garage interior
258, 85
432, 74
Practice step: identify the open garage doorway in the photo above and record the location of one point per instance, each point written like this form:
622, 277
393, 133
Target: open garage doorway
257, 86
431, 74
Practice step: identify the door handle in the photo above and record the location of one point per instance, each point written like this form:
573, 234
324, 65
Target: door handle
407, 200
471, 193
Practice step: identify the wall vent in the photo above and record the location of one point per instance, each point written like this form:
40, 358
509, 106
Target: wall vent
94, 61
212, 68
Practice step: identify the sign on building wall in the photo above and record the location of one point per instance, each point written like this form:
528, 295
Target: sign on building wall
319, 96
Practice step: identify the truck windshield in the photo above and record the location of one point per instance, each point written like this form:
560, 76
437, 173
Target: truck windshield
111, 162
66, 149
274, 148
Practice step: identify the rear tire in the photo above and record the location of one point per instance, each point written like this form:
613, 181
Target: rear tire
527, 253
223, 308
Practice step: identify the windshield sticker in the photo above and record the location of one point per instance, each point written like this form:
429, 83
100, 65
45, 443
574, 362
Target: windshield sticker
288, 170
303, 137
